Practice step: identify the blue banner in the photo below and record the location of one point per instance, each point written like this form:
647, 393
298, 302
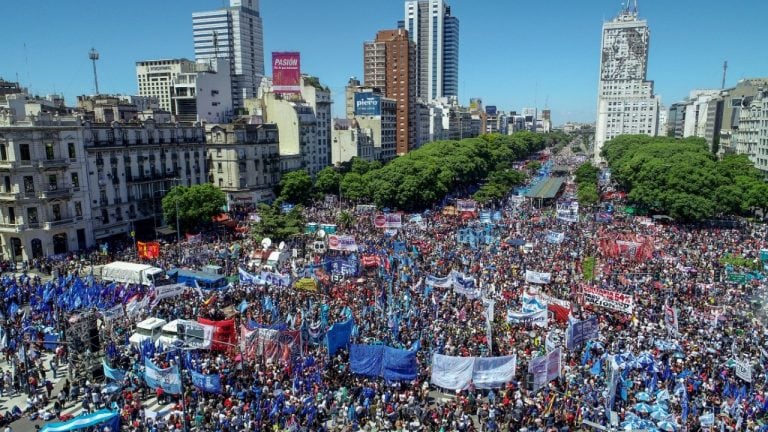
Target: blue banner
106, 417
579, 332
382, 361
113, 373
209, 383
338, 336
167, 379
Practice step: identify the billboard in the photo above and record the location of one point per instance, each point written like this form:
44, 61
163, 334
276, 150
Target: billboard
286, 72
367, 104
491, 110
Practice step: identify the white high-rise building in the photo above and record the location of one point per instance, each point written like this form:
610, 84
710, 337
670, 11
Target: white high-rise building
235, 33
625, 101
157, 77
436, 34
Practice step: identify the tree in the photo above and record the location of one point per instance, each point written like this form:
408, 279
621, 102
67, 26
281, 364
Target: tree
328, 180
345, 219
353, 187
296, 187
275, 224
196, 205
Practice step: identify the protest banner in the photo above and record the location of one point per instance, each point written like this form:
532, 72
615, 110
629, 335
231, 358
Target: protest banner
466, 205
537, 277
579, 332
306, 284
342, 243
538, 318
388, 220
608, 299
168, 379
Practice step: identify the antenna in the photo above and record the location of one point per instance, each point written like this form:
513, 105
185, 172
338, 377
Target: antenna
94, 55
725, 71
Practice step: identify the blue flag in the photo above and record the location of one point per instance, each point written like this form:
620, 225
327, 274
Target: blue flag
209, 383
243, 306
597, 367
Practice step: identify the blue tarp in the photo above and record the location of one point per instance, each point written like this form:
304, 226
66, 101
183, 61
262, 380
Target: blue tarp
366, 359
381, 361
338, 336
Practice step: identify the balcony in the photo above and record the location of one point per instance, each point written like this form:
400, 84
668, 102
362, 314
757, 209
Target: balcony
49, 164
63, 220
9, 196
55, 191
12, 228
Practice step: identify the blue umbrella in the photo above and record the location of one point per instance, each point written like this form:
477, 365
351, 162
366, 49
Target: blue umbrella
643, 396
642, 407
667, 426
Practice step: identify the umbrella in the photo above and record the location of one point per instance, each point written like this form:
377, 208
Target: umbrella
659, 415
642, 407
643, 396
667, 426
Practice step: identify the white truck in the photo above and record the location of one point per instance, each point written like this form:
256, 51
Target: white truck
130, 273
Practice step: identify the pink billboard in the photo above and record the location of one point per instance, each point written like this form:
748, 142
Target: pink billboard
286, 72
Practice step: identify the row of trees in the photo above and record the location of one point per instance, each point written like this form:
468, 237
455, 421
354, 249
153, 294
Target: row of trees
425, 176
193, 206
586, 183
683, 179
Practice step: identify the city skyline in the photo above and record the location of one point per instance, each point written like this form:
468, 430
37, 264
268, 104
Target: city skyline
551, 55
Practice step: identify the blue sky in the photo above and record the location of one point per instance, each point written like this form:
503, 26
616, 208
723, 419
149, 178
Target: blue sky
512, 54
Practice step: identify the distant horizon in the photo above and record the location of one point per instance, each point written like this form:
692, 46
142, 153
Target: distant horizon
549, 56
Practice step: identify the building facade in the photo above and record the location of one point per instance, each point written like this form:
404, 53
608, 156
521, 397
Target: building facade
369, 109
435, 32
204, 95
156, 78
626, 102
751, 137
349, 141
390, 65
243, 161
235, 33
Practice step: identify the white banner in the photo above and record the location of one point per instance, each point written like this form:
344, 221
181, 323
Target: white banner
536, 318
113, 313
166, 291
545, 368
555, 237
555, 301
342, 243
743, 370
466, 205
537, 277
568, 212
388, 220
194, 334
609, 299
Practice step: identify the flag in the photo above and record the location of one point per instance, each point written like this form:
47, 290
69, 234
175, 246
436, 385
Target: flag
243, 306
597, 367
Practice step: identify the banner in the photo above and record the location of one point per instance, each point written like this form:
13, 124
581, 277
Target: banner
306, 284
286, 72
113, 313
107, 418
443, 282
609, 299
194, 238
670, 319
536, 318
568, 212
342, 243
341, 267
388, 220
166, 291
452, 373
223, 336
466, 205
743, 370
555, 237
603, 217
147, 250
113, 373
545, 368
209, 383
494, 372
532, 303
537, 277
552, 300
382, 361
579, 332
485, 216
338, 336
370, 261
167, 379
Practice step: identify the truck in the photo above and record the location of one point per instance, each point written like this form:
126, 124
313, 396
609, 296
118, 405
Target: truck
194, 278
130, 273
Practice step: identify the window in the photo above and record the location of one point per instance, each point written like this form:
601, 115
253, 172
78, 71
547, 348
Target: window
56, 210
71, 149
49, 153
3, 153
32, 215
104, 216
29, 184
12, 215
78, 209
75, 180
52, 183
219, 168
24, 152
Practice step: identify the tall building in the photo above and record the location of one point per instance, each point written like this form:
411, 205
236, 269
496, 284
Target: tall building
625, 102
436, 34
390, 66
156, 78
367, 108
236, 33
751, 136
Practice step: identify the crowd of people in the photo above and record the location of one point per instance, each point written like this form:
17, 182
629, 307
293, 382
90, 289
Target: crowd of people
668, 363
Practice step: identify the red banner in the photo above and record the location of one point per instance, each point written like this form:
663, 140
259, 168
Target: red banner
223, 333
148, 250
286, 72
370, 261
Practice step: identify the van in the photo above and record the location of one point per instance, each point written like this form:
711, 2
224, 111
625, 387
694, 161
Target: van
150, 328
169, 335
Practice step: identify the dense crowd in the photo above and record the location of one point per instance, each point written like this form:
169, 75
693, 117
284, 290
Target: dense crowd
670, 378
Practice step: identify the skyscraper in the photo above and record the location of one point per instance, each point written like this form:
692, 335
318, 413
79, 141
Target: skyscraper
235, 33
625, 102
436, 34
389, 64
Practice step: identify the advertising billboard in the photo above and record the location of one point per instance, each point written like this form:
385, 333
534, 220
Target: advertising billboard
367, 104
286, 72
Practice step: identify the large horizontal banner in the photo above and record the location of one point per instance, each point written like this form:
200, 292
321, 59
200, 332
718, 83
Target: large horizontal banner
555, 237
537, 277
113, 313
553, 300
168, 291
342, 243
461, 283
538, 318
264, 278
194, 334
306, 284
382, 361
568, 212
223, 335
609, 299
388, 220
456, 373
209, 383
168, 379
